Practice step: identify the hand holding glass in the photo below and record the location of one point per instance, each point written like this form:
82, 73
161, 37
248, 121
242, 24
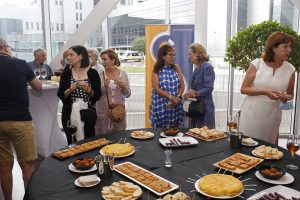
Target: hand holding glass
293, 146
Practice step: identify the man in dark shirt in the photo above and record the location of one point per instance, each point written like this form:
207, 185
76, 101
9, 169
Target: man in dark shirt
16, 127
39, 63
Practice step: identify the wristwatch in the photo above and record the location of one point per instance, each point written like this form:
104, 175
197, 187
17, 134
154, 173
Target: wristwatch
180, 97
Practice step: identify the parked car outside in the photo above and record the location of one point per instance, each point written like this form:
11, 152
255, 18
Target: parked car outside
131, 56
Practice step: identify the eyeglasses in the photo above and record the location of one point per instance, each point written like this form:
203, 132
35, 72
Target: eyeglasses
7, 46
171, 54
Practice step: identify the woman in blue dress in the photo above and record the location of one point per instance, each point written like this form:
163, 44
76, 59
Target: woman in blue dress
167, 88
202, 85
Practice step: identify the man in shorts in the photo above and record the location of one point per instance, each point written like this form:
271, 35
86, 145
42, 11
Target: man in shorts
16, 127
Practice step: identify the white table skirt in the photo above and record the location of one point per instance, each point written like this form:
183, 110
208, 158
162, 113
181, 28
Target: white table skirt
43, 109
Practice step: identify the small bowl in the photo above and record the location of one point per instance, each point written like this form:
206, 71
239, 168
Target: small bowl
84, 163
171, 131
271, 172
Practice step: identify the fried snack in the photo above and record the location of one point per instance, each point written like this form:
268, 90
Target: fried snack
118, 149
141, 134
267, 152
238, 162
121, 191
176, 196
144, 177
84, 163
220, 185
205, 133
65, 153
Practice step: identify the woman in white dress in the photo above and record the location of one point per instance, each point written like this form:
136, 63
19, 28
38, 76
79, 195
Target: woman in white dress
268, 82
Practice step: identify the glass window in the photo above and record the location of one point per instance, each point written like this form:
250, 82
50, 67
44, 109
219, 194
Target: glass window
76, 16
37, 26
76, 5
80, 6
22, 32
80, 16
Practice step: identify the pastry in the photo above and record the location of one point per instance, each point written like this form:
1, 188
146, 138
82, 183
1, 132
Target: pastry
65, 153
220, 185
205, 133
267, 152
121, 190
144, 177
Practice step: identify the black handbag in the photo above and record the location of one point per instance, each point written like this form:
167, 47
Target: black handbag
197, 108
88, 115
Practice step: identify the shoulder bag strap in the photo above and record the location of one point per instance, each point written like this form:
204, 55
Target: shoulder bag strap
106, 89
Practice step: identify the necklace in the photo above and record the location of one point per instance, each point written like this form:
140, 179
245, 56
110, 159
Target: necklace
80, 73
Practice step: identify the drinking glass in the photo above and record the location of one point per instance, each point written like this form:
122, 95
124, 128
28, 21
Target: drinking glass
168, 162
43, 73
293, 146
232, 123
57, 72
37, 73
72, 129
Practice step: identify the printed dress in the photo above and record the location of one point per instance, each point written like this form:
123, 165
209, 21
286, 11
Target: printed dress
161, 116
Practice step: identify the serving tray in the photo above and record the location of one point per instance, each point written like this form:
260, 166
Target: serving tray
239, 170
147, 176
81, 148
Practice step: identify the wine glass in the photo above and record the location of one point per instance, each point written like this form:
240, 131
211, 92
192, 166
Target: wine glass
43, 73
293, 146
72, 129
57, 72
37, 73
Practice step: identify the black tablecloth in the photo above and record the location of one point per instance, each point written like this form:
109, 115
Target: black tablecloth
53, 180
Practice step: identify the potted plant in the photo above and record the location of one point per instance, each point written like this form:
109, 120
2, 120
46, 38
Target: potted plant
248, 44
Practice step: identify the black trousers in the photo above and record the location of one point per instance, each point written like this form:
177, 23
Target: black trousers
89, 127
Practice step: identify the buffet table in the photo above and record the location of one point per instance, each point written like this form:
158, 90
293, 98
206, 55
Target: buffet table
43, 109
53, 180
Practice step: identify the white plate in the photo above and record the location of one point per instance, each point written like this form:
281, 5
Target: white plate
165, 141
285, 191
74, 169
253, 153
162, 134
220, 197
250, 145
101, 152
77, 183
286, 179
173, 185
150, 135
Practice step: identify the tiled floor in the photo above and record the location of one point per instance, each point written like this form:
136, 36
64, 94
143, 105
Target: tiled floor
18, 189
